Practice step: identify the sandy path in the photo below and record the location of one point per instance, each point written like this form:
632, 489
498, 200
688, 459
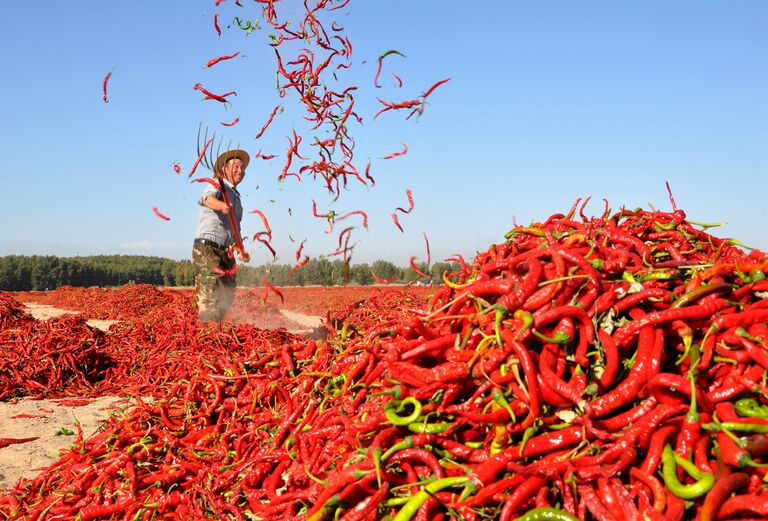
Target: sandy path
44, 312
49, 421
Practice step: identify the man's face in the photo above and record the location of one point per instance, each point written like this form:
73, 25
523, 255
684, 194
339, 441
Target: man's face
234, 171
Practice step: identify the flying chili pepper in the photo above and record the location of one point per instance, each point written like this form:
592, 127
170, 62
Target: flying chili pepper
219, 1
397, 106
355, 212
216, 24
395, 154
429, 256
399, 81
216, 97
214, 61
177, 167
415, 268
271, 116
346, 231
264, 220
262, 156
232, 123
368, 174
157, 212
257, 237
208, 180
304, 261
382, 281
397, 222
301, 246
200, 157
104, 86
409, 194
274, 290
433, 87
381, 58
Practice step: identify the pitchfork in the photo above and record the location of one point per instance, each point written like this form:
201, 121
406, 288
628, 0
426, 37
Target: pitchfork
205, 151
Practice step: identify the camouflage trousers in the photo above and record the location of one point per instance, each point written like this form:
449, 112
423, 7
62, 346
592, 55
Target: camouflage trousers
215, 291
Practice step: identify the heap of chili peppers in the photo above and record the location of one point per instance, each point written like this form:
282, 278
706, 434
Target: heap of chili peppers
602, 368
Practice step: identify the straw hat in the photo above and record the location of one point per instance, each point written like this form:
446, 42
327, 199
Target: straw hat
225, 156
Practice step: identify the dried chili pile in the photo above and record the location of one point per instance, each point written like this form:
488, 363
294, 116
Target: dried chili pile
384, 308
12, 313
130, 300
51, 358
595, 368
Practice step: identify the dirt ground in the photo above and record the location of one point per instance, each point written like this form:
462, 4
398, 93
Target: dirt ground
51, 421
54, 425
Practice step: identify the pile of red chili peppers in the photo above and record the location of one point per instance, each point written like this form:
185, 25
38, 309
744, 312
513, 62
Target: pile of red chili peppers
602, 368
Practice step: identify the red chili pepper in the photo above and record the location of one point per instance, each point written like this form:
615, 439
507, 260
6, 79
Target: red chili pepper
433, 87
409, 195
382, 281
429, 255
216, 24
395, 154
177, 167
368, 175
273, 289
217, 97
744, 506
214, 61
208, 180
104, 86
264, 221
231, 123
657, 488
264, 157
5, 442
723, 488
415, 268
380, 59
397, 222
201, 156
269, 120
157, 212
355, 212
303, 262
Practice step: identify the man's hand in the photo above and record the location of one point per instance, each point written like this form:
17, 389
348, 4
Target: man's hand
243, 255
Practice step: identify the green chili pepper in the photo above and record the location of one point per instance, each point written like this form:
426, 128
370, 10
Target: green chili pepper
501, 312
414, 503
658, 275
756, 428
750, 408
395, 406
546, 514
406, 443
530, 431
704, 480
498, 397
526, 317
429, 428
560, 337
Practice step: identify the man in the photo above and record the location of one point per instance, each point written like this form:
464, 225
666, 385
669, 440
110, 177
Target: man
212, 251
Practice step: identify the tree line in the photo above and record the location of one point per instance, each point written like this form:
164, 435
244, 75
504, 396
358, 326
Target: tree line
48, 272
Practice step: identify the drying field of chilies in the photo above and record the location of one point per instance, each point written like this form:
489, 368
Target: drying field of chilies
588, 367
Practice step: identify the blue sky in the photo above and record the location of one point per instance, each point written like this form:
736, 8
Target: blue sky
548, 102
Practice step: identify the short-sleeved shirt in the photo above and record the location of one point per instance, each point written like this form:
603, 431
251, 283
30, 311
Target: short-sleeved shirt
215, 226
